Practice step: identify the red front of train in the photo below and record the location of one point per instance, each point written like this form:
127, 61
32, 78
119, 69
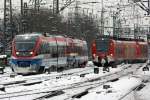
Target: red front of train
110, 52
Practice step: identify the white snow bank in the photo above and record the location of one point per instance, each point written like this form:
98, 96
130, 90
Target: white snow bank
117, 89
143, 94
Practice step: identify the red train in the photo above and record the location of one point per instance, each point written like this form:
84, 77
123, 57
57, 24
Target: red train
107, 51
34, 52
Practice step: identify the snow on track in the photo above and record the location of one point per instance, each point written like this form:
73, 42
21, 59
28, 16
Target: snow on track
62, 86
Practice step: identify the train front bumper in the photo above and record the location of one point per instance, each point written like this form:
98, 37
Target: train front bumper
25, 66
24, 70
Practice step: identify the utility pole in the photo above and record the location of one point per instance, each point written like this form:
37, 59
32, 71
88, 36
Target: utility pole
148, 7
8, 33
24, 18
21, 11
102, 18
21, 8
114, 25
24, 14
56, 11
55, 6
36, 5
35, 14
77, 26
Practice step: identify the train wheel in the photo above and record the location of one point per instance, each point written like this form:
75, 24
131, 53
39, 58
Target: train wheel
84, 64
69, 65
114, 65
106, 69
76, 64
41, 70
53, 68
60, 69
12, 69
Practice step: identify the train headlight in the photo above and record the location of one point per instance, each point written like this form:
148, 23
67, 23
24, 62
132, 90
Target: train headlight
17, 53
111, 54
31, 52
94, 55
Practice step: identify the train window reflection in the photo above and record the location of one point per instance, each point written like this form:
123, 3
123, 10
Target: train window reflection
102, 45
24, 46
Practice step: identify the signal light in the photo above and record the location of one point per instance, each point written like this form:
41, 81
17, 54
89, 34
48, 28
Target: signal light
111, 54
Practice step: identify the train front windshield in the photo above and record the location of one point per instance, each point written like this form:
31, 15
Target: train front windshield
24, 46
23, 43
102, 44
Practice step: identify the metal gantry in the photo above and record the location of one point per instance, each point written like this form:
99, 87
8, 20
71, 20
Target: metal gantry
24, 18
8, 25
144, 5
57, 8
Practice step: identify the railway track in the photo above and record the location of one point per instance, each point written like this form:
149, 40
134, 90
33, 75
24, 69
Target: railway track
9, 82
46, 90
104, 80
145, 79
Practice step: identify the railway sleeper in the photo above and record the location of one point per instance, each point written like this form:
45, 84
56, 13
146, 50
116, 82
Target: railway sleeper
2, 88
145, 68
140, 87
51, 94
14, 82
114, 80
106, 86
32, 83
60, 69
51, 69
2, 70
83, 75
79, 95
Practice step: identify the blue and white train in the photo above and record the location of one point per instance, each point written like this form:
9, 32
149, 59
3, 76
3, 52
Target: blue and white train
36, 53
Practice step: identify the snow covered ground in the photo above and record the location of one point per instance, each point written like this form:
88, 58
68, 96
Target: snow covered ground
116, 91
121, 89
144, 93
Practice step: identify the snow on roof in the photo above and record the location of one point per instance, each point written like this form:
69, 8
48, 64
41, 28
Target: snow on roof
29, 34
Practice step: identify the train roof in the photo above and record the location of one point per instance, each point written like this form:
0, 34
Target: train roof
28, 35
121, 39
37, 34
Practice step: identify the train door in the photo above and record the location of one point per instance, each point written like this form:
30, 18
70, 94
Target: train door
54, 54
70, 52
61, 48
48, 52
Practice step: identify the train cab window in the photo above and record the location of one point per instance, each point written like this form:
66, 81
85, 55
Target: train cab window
102, 44
24, 46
